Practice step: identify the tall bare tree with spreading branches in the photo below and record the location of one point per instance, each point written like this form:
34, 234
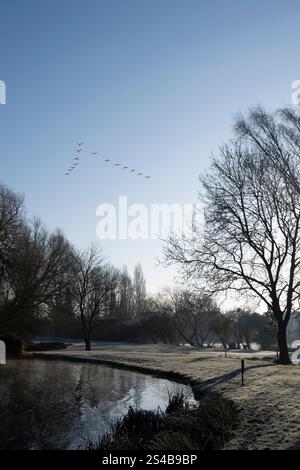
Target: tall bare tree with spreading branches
92, 283
250, 239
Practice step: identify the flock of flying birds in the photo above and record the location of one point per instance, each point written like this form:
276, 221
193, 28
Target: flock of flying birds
76, 161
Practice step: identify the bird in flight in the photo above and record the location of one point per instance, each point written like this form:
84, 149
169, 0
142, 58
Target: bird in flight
124, 167
79, 143
140, 174
107, 160
78, 150
117, 164
147, 176
94, 153
132, 170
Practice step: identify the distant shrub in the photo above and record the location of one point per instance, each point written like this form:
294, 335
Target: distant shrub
51, 346
151, 328
14, 345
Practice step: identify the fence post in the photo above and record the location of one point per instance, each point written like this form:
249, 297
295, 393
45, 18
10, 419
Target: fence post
242, 370
2, 353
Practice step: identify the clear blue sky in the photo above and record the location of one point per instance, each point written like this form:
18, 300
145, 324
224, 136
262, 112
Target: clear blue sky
151, 83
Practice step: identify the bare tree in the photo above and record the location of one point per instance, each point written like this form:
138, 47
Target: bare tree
222, 327
125, 294
250, 240
37, 263
192, 314
11, 224
93, 281
139, 290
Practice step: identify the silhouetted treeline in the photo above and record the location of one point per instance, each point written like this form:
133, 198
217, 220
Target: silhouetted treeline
48, 287
47, 284
199, 322
33, 267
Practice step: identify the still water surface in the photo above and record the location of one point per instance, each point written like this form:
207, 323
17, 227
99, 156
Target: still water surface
59, 405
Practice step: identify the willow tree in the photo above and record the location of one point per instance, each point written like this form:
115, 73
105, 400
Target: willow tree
250, 241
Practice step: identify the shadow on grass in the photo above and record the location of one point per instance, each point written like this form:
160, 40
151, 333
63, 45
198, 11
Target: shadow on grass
203, 386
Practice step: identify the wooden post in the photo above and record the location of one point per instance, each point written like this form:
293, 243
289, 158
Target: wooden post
242, 370
2, 353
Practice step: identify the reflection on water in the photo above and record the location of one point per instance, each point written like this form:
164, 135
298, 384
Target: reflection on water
58, 405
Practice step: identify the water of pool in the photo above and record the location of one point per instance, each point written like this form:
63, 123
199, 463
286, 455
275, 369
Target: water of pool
59, 404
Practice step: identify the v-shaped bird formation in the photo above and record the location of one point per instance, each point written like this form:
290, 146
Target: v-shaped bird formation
76, 160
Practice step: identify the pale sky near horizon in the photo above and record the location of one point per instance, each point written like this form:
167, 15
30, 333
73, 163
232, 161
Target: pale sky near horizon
151, 84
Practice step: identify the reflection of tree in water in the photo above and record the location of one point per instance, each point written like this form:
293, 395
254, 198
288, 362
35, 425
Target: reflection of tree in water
53, 416
35, 411
44, 405
57, 405
111, 387
103, 394
104, 384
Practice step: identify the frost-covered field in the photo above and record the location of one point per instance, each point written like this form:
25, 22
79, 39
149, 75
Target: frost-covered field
269, 408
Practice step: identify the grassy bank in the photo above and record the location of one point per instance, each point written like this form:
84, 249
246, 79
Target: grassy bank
206, 425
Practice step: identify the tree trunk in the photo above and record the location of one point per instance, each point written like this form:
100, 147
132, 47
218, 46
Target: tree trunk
87, 341
284, 357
